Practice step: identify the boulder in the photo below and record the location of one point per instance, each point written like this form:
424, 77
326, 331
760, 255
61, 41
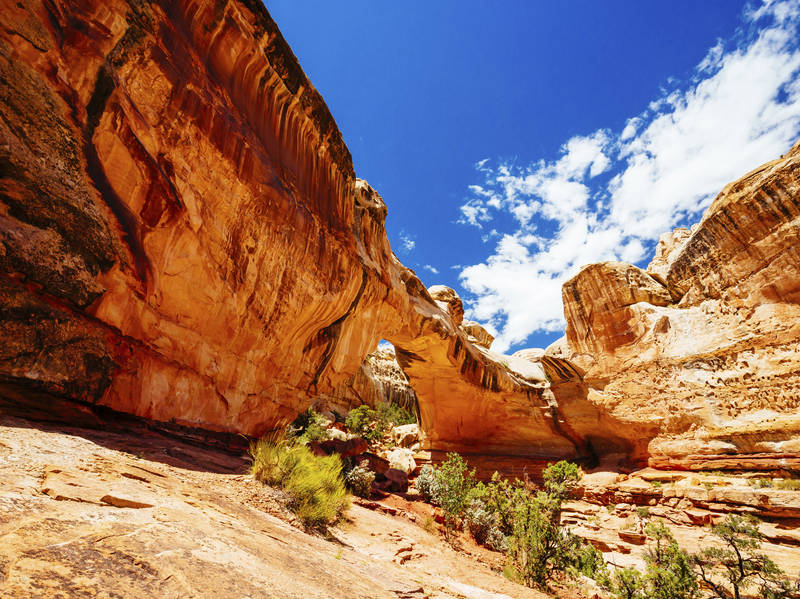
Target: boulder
406, 435
401, 459
349, 448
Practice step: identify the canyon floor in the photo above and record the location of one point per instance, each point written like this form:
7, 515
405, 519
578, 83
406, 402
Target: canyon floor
123, 509
87, 512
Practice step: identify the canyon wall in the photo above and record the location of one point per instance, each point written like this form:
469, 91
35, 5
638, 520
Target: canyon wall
702, 350
182, 235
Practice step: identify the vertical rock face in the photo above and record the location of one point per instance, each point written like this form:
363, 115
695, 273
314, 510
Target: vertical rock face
182, 236
181, 233
379, 380
705, 348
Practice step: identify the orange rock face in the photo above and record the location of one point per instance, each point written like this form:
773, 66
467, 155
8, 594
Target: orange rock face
182, 236
702, 352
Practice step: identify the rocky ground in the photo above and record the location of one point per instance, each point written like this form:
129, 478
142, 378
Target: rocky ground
105, 512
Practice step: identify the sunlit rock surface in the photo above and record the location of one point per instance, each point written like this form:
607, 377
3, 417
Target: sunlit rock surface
705, 352
182, 236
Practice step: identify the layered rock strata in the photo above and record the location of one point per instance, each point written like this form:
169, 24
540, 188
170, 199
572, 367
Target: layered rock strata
182, 236
701, 352
378, 380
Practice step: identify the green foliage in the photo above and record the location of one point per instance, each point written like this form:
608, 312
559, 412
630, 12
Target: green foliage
394, 415
739, 564
792, 484
538, 546
588, 560
482, 523
669, 572
561, 479
453, 484
628, 583
427, 485
359, 420
373, 425
359, 480
315, 485
760, 483
309, 426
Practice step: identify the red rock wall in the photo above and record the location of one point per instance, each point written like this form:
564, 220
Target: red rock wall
179, 233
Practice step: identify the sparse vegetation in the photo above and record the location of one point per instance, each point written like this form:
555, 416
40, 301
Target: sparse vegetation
373, 425
359, 480
394, 414
792, 484
315, 484
729, 572
760, 483
309, 426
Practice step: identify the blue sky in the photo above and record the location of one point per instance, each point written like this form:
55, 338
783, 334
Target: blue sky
514, 142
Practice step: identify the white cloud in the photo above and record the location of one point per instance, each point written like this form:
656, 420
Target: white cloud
740, 108
407, 242
432, 269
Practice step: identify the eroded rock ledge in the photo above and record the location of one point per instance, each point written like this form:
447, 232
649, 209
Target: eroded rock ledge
703, 349
182, 237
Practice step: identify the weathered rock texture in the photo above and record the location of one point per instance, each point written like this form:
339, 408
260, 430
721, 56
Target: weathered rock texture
379, 380
182, 236
701, 352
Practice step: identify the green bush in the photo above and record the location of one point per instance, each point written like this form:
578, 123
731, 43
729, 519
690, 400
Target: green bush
539, 548
314, 484
426, 484
394, 415
309, 426
792, 484
482, 525
453, 483
731, 570
364, 422
359, 480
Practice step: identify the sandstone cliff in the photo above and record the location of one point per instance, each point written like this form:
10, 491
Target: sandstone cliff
182, 235
701, 352
379, 380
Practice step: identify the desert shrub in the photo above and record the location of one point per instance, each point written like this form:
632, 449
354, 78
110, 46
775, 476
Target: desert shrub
314, 484
453, 484
480, 522
731, 570
427, 485
359, 419
669, 573
309, 426
627, 583
393, 414
496, 540
561, 479
359, 480
364, 421
588, 560
760, 483
788, 483
539, 547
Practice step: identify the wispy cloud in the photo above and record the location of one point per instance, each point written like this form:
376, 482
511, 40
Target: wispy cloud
611, 194
407, 242
432, 269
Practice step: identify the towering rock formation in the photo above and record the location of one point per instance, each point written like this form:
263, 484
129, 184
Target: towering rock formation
182, 235
702, 351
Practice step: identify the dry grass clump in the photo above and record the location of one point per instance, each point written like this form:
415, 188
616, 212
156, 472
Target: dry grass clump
315, 484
